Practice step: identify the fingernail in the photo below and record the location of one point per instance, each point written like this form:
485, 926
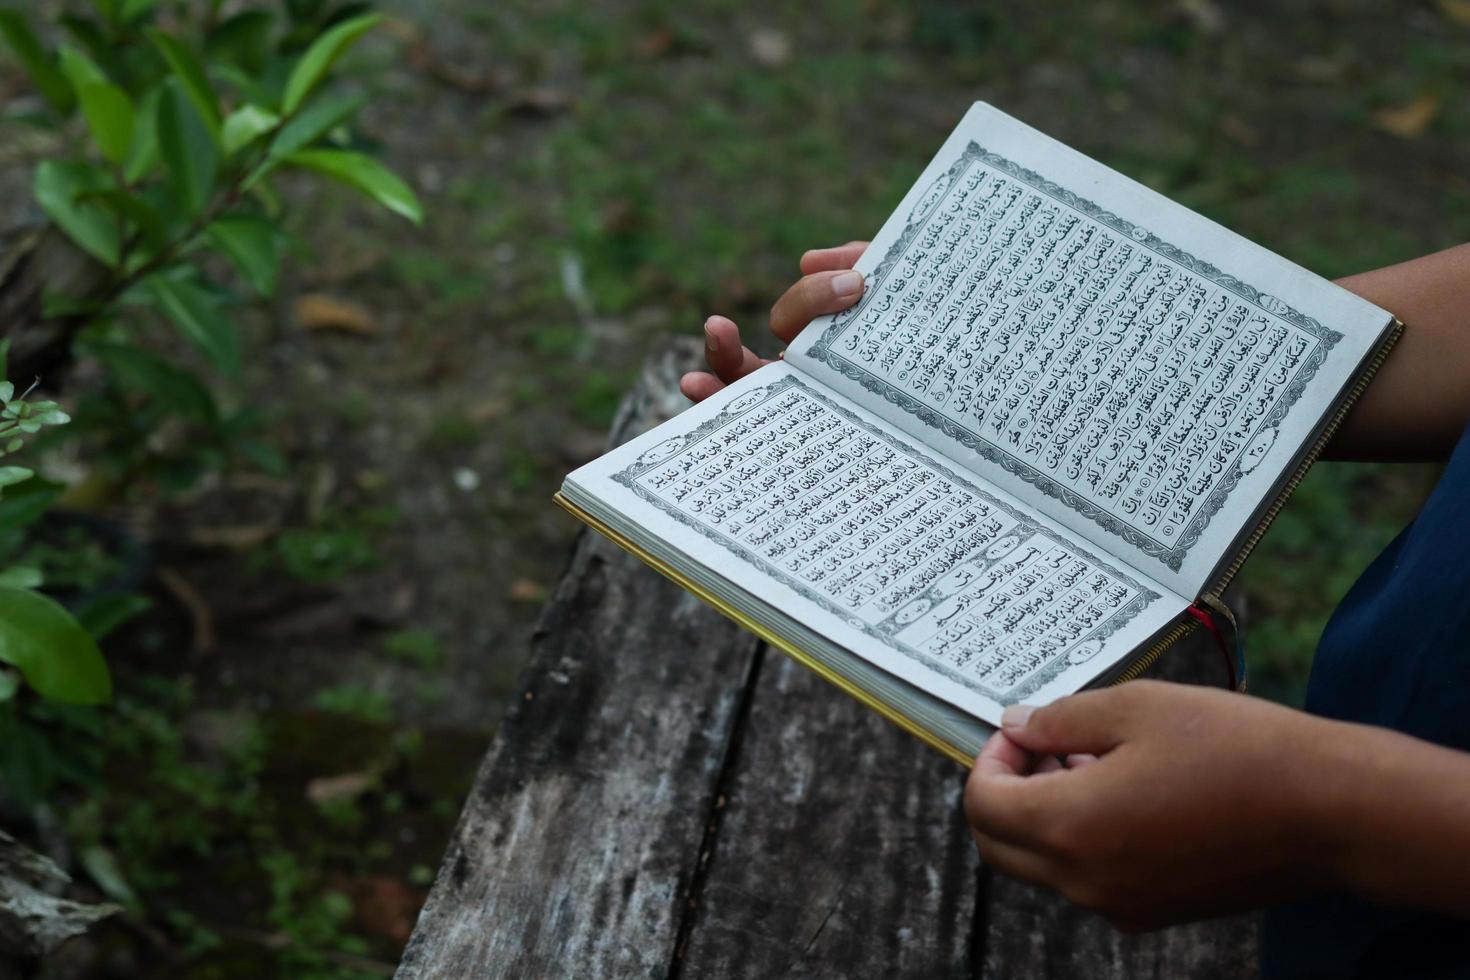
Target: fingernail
1014, 717
847, 284
711, 342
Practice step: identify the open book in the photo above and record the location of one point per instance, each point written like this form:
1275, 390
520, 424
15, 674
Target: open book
1064, 410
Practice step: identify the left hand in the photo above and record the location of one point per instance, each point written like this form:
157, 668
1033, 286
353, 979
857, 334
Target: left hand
1174, 802
827, 285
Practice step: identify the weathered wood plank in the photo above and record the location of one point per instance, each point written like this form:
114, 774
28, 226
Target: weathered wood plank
630, 820
841, 849
34, 919
576, 850
1030, 933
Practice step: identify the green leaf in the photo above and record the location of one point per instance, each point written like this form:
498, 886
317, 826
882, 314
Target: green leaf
21, 577
144, 152
105, 613
300, 10
175, 389
135, 209
243, 40
367, 175
24, 503
58, 658
132, 10
197, 314
28, 763
58, 186
37, 63
187, 149
320, 57
79, 69
268, 458
103, 868
316, 120
109, 115
191, 77
49, 413
11, 475
103, 49
245, 125
9, 679
250, 243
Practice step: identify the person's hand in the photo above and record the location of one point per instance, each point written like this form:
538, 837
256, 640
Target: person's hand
827, 285
1156, 803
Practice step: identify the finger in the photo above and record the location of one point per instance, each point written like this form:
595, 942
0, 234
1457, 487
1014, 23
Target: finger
1093, 722
1016, 861
1009, 797
1049, 763
699, 385
810, 297
1001, 757
828, 259
723, 351
1079, 759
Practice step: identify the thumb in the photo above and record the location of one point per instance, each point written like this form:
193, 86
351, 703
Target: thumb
1091, 722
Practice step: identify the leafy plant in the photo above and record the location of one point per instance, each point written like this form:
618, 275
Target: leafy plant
181, 119
42, 646
185, 119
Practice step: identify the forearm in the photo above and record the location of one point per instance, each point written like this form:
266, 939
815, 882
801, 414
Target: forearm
1392, 814
1419, 403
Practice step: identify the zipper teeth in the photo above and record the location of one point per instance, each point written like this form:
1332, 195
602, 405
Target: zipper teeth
1154, 652
1354, 394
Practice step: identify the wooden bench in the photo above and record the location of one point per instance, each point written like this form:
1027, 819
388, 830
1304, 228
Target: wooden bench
668, 798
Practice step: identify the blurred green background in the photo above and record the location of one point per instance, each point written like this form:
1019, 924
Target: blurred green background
597, 176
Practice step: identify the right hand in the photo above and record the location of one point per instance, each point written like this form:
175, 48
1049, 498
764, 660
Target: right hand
826, 286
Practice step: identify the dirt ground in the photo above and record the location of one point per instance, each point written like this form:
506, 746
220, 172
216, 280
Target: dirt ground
596, 176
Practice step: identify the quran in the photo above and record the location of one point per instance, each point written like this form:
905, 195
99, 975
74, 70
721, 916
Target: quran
1063, 411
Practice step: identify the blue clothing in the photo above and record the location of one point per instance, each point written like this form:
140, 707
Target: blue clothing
1396, 653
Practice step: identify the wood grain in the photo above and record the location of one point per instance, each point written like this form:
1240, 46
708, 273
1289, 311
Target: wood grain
577, 847
666, 798
841, 850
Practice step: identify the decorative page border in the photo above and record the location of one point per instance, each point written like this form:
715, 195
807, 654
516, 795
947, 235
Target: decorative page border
672, 448
1173, 555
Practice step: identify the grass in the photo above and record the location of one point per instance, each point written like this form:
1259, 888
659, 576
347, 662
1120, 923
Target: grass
684, 176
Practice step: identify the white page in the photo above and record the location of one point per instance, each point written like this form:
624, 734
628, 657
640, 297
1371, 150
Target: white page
820, 509
1137, 371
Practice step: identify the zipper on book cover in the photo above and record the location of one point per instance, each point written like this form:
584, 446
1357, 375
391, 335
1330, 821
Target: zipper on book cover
1147, 660
1354, 394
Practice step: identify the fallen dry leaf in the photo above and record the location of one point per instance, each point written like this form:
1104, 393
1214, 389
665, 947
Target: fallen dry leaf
527, 590
330, 789
1410, 120
234, 537
385, 906
655, 44
1240, 131
1456, 10
317, 311
200, 616
488, 409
